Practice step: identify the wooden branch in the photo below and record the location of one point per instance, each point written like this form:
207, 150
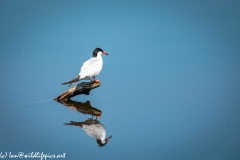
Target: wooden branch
81, 88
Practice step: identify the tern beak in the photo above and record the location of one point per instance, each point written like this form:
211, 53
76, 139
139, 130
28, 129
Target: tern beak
104, 53
108, 138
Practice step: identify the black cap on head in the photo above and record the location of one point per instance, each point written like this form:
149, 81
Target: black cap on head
95, 52
104, 142
100, 143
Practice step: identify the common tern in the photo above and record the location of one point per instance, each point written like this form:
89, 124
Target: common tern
91, 68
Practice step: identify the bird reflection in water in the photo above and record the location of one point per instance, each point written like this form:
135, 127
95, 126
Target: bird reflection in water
92, 127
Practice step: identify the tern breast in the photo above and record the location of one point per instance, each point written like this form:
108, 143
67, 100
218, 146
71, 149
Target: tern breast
91, 68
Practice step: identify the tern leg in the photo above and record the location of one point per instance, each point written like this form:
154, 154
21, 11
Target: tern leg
96, 80
93, 79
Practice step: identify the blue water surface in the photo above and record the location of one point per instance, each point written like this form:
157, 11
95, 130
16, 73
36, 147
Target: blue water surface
169, 86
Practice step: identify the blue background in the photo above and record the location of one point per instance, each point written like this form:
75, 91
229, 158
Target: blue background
170, 85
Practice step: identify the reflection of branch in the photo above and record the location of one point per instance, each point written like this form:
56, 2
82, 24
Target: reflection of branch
84, 108
81, 88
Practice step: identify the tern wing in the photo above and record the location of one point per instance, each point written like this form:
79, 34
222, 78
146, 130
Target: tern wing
95, 130
89, 68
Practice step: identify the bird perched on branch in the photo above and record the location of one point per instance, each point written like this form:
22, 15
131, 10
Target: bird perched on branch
91, 68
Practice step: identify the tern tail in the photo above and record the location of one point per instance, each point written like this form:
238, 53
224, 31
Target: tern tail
72, 123
72, 81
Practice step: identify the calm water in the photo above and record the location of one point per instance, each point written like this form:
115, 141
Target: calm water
170, 85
